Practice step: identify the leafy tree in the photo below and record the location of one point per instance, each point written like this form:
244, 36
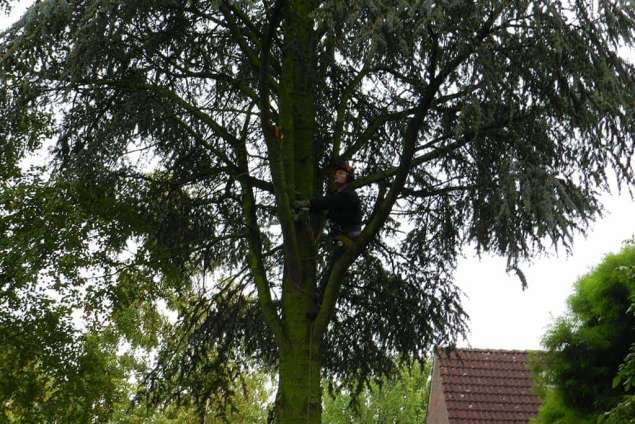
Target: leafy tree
490, 123
400, 398
49, 374
625, 410
249, 406
585, 348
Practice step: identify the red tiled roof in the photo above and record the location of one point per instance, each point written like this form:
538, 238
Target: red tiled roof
487, 386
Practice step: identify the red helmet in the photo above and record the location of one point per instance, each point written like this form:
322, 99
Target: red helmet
344, 166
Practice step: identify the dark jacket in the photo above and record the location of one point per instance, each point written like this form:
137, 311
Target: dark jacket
343, 209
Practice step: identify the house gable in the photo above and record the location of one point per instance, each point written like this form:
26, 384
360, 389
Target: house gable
482, 386
437, 409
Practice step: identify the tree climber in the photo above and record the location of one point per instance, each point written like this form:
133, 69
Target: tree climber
343, 206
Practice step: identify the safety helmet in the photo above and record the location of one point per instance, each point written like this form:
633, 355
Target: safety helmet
345, 166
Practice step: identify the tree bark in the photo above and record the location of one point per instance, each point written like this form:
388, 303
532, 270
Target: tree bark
299, 386
300, 393
293, 167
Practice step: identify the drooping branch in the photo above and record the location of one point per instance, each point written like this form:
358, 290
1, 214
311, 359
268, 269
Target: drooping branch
239, 36
193, 111
374, 125
419, 160
448, 148
235, 170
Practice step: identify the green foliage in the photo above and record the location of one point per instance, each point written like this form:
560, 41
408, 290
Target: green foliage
554, 411
585, 348
400, 398
51, 374
252, 393
488, 123
169, 415
625, 410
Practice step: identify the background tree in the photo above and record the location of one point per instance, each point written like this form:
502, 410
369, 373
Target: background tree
48, 374
586, 347
400, 398
491, 123
249, 406
625, 410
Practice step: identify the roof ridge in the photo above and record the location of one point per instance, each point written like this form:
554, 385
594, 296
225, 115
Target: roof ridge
452, 350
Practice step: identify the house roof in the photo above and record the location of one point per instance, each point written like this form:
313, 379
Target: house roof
487, 386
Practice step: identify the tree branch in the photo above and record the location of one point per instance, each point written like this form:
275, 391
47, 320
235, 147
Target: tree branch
382, 211
239, 36
255, 259
375, 123
186, 73
228, 11
435, 154
235, 170
422, 193
341, 109
196, 112
276, 164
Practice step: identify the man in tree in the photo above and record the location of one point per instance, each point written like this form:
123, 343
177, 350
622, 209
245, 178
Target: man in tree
342, 205
488, 124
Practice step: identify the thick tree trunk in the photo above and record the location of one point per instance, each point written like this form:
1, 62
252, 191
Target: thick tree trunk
299, 398
299, 385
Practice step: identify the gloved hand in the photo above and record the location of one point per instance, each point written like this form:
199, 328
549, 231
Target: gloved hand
277, 133
301, 205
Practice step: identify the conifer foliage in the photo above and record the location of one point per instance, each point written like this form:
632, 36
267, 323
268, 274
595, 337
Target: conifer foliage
489, 123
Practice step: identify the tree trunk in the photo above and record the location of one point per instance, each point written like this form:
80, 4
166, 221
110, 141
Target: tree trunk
299, 398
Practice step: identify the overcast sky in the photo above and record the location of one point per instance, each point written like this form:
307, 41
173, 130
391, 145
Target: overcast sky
503, 316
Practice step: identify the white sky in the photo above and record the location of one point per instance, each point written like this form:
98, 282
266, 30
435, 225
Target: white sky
502, 315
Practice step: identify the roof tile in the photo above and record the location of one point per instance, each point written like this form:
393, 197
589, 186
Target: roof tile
487, 386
